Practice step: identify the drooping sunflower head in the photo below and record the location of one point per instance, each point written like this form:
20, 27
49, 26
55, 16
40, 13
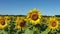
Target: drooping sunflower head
3, 23
20, 23
53, 23
34, 16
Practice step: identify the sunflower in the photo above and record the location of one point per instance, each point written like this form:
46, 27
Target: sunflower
3, 23
20, 23
7, 18
34, 16
53, 23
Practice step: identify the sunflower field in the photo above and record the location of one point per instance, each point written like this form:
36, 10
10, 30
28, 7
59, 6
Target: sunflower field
32, 23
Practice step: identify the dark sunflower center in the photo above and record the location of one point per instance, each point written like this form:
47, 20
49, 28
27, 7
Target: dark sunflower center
22, 23
53, 24
2, 22
34, 16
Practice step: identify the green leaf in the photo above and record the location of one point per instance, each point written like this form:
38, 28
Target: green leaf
3, 32
29, 31
46, 31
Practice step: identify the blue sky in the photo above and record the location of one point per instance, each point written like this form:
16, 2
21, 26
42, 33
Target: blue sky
21, 7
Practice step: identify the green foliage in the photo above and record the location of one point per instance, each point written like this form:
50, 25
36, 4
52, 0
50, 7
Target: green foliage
41, 28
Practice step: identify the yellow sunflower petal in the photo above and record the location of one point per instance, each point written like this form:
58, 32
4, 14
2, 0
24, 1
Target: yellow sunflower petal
34, 16
20, 22
3, 23
53, 23
7, 18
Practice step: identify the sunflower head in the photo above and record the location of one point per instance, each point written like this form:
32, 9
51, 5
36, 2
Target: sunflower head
7, 18
20, 23
3, 23
34, 16
53, 23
